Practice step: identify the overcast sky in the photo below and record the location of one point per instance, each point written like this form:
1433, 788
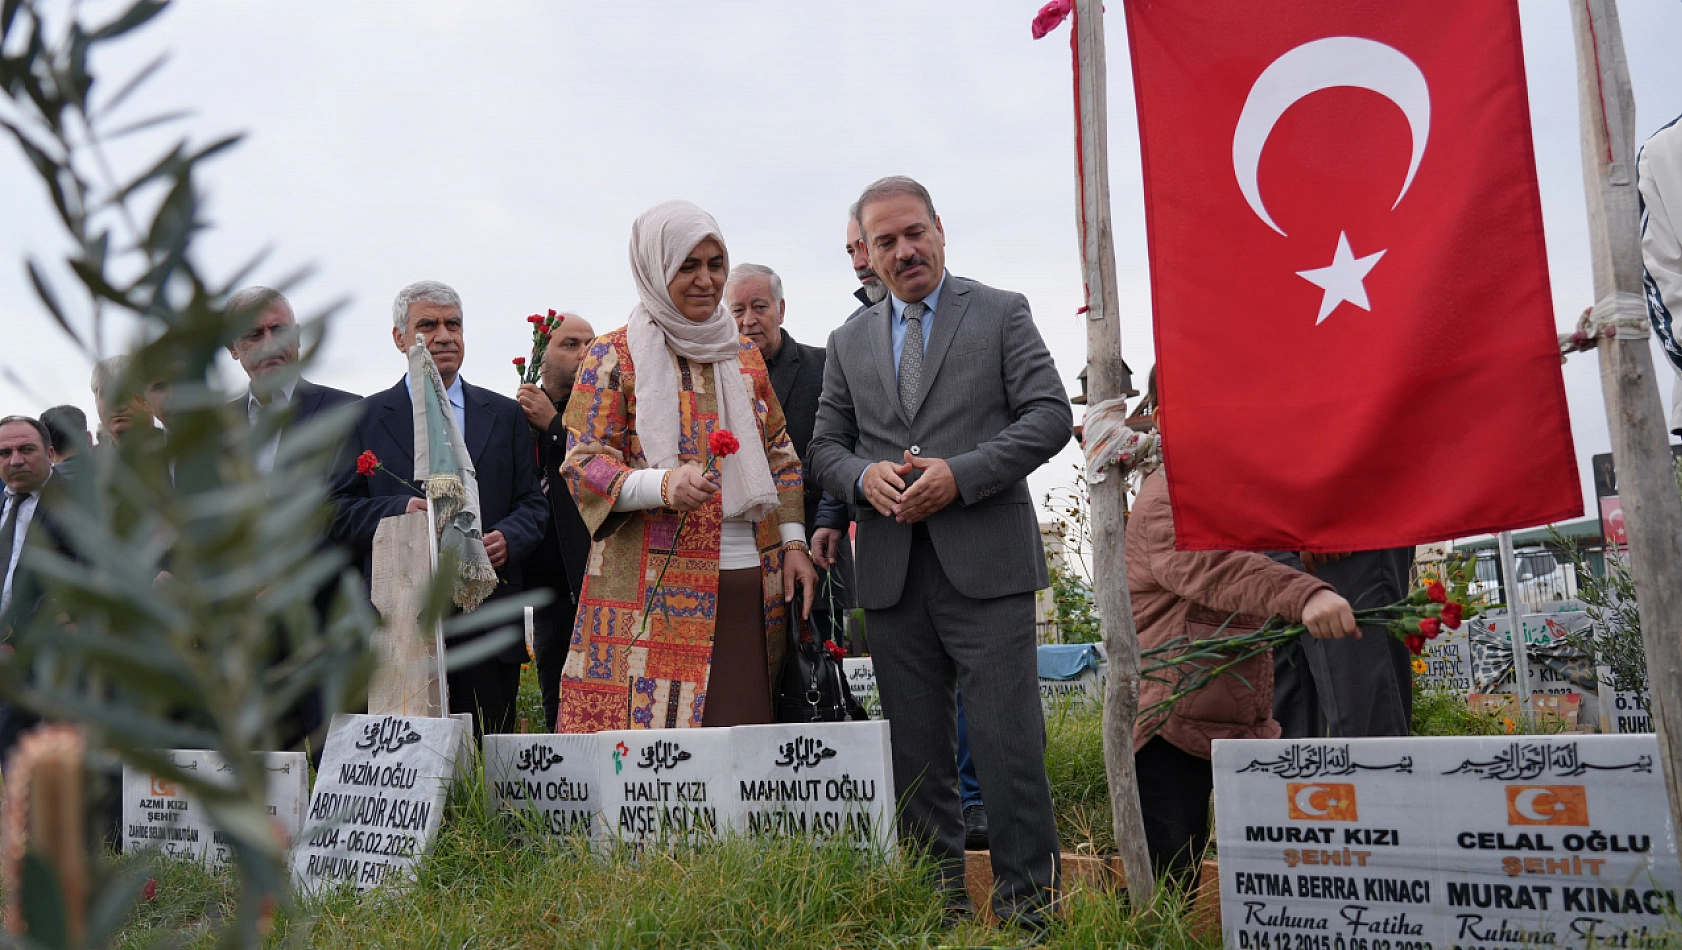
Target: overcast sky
505, 147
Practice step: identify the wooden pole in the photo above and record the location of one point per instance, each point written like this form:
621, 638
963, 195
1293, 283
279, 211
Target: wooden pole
1634, 409
1105, 374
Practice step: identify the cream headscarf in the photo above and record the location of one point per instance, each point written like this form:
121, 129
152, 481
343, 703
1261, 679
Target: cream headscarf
660, 240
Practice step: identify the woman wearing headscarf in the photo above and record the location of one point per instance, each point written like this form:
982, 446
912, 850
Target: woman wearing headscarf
695, 557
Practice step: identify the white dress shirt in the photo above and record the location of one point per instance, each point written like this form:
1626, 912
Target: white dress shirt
253, 406
458, 401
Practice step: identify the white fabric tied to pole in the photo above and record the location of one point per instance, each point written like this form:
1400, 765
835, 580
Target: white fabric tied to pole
1617, 316
1623, 313
445, 469
1110, 441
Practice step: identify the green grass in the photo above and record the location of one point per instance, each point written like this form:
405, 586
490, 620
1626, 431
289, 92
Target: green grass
1448, 714
1080, 789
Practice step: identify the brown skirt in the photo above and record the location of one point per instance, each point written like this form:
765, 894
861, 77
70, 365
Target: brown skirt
739, 687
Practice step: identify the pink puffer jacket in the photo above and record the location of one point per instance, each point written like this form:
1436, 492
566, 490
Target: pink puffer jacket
1190, 594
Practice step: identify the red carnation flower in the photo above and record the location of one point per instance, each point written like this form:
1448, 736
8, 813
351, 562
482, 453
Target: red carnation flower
1415, 643
1436, 592
1452, 613
723, 443
519, 361
835, 649
534, 318
367, 462
1429, 627
551, 314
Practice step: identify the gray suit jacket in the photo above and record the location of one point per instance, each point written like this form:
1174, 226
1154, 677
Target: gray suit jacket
992, 405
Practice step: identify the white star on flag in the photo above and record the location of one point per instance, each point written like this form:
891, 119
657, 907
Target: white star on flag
1342, 279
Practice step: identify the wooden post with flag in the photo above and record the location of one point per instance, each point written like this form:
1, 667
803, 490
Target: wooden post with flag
1634, 409
1105, 375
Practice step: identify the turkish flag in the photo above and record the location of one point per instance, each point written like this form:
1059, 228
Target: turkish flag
1354, 333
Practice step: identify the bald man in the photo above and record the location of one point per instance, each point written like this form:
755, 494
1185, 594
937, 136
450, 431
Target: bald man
558, 563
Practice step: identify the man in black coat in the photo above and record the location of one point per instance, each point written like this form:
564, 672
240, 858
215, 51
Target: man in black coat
511, 506
265, 352
27, 473
269, 346
558, 563
754, 294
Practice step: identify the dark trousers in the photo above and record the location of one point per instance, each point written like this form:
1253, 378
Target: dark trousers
1174, 788
932, 642
551, 636
489, 690
969, 787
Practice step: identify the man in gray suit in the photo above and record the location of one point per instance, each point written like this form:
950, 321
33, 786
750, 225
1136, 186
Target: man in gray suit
937, 403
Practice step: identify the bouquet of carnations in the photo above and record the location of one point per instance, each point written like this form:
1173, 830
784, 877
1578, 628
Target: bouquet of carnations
1189, 665
541, 327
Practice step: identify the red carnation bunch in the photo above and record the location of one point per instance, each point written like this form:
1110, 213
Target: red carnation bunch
542, 326
1187, 665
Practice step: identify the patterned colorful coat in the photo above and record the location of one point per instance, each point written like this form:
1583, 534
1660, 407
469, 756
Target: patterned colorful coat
614, 678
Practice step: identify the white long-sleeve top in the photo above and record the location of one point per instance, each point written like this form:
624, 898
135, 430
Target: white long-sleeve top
737, 549
1659, 175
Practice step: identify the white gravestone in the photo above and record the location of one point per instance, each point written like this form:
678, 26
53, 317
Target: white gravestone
158, 813
664, 785
378, 799
1439, 842
1621, 710
1448, 663
554, 776
825, 781
861, 679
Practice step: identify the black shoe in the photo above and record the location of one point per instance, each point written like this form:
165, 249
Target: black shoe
959, 911
975, 828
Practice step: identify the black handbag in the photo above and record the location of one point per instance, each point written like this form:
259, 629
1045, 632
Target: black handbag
812, 686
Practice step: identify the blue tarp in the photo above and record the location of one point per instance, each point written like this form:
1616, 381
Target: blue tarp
1065, 661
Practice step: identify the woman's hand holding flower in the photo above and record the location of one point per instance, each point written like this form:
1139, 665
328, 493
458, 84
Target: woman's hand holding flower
688, 488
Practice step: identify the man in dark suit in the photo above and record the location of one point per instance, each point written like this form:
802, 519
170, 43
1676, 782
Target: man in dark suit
269, 346
512, 507
558, 563
937, 404
265, 352
754, 294
26, 470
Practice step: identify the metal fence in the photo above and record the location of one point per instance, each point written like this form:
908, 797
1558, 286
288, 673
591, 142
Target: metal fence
1543, 576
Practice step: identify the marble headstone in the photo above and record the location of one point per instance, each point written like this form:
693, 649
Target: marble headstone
378, 799
555, 776
663, 785
861, 679
159, 813
825, 781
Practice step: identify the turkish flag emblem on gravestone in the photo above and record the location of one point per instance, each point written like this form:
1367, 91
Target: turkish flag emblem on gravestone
1354, 332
